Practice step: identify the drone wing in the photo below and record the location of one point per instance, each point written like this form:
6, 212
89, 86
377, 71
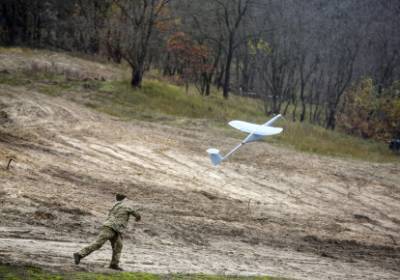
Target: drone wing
256, 129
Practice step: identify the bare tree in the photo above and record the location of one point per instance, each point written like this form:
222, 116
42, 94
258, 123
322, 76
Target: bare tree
232, 13
138, 19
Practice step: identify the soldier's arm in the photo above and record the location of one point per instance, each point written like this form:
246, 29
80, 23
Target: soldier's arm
135, 214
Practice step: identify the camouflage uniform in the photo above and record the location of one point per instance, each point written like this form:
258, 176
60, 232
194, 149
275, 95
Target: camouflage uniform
112, 230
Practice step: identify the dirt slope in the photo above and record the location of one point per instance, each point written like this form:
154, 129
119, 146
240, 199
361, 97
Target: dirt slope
268, 211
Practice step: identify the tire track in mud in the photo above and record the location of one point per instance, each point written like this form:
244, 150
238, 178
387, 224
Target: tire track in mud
263, 216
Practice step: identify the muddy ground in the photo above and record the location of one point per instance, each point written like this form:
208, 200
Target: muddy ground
269, 210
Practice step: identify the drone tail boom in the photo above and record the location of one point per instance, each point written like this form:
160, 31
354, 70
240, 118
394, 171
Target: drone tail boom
274, 119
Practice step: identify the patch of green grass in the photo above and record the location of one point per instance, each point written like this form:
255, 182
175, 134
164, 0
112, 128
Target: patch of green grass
156, 97
13, 80
314, 139
43, 82
22, 273
25, 273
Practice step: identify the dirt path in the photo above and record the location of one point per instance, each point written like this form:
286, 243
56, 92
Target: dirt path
277, 212
224, 258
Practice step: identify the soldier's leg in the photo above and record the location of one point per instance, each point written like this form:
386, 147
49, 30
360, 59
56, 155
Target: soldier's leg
104, 235
116, 244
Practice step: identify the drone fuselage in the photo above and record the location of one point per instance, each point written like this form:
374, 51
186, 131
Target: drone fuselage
256, 133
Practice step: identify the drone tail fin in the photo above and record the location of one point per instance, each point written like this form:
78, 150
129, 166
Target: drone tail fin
215, 156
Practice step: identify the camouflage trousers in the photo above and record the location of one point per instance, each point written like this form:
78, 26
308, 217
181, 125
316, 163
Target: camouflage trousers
106, 234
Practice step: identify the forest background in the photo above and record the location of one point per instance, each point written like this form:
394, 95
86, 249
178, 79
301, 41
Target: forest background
333, 63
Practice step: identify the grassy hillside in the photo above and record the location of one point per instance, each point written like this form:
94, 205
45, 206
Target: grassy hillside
24, 273
161, 101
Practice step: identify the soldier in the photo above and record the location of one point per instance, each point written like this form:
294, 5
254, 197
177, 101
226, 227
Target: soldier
112, 230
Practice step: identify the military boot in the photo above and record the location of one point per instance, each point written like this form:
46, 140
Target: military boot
115, 267
77, 258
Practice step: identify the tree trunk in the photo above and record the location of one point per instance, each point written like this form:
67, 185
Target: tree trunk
208, 89
331, 120
267, 110
207, 81
303, 103
294, 112
137, 77
225, 86
286, 108
316, 116
274, 103
219, 77
228, 70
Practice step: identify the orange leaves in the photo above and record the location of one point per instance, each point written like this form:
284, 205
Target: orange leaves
164, 21
164, 25
190, 56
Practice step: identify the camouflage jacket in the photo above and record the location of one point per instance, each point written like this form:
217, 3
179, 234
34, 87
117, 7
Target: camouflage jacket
118, 217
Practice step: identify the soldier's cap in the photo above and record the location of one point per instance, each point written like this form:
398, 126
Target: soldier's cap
120, 196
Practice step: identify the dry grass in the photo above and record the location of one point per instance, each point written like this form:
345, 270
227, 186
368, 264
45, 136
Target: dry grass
71, 67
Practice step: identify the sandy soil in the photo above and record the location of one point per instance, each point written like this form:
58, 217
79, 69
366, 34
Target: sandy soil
269, 210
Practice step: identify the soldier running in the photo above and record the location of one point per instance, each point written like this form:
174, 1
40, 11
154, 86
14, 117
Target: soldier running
112, 230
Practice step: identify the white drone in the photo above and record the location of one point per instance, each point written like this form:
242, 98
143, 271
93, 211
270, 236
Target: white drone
256, 132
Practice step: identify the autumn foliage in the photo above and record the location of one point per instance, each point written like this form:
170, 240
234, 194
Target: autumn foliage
188, 57
370, 114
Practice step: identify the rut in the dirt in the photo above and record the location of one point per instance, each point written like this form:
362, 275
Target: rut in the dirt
301, 216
